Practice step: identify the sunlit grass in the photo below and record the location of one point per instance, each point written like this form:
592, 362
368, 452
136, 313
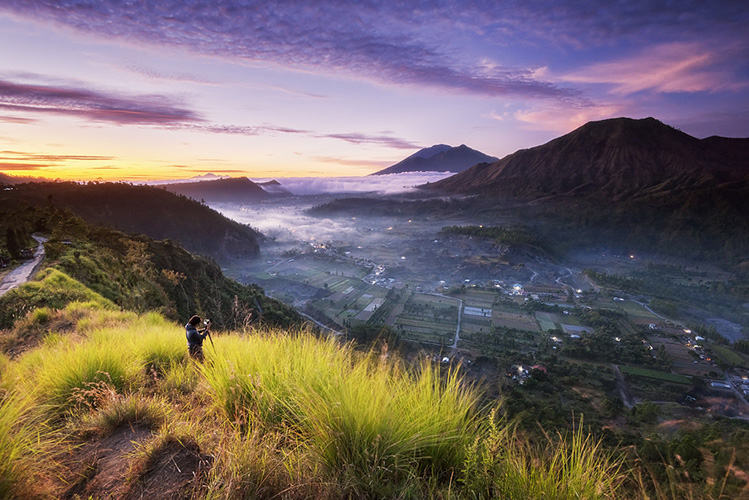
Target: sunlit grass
369, 418
284, 414
502, 464
24, 439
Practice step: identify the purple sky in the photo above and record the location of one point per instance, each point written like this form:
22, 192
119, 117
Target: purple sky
165, 89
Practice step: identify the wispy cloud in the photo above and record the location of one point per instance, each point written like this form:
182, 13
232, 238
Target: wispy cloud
155, 74
558, 119
379, 164
92, 104
24, 156
17, 119
379, 140
22, 166
150, 110
377, 40
672, 67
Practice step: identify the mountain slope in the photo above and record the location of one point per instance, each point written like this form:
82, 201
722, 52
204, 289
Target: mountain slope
439, 158
274, 188
619, 158
152, 211
232, 190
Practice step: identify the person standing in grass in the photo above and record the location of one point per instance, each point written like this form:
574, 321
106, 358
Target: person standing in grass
196, 337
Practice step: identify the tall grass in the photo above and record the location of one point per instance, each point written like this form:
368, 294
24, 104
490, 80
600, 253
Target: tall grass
287, 415
503, 464
371, 422
22, 443
58, 373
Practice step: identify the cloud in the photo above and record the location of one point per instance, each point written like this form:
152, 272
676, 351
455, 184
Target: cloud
563, 120
219, 171
17, 119
160, 75
380, 41
149, 110
22, 166
389, 184
23, 156
672, 67
379, 164
92, 104
379, 140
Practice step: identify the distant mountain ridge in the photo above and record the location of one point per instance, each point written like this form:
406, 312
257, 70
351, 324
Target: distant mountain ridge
439, 158
617, 159
152, 211
230, 190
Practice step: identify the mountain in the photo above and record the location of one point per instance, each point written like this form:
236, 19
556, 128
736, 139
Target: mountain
274, 188
439, 158
615, 159
152, 211
231, 190
12, 179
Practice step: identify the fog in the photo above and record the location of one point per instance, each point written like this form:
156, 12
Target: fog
285, 222
385, 184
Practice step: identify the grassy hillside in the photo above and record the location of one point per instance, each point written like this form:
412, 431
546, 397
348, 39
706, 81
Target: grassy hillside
139, 274
152, 211
108, 405
111, 405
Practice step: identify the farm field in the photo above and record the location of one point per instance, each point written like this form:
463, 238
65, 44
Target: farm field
519, 321
428, 318
683, 360
655, 374
729, 357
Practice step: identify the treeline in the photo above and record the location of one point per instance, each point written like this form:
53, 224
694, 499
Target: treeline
141, 274
154, 212
514, 235
710, 224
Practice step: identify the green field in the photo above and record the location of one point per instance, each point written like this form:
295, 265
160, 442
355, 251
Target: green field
728, 356
655, 374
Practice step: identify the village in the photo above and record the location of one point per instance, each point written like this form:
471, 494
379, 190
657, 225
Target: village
528, 313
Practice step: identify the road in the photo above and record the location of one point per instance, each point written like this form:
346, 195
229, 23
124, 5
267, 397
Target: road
648, 308
22, 273
457, 330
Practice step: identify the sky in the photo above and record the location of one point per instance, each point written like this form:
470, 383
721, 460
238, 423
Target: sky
144, 89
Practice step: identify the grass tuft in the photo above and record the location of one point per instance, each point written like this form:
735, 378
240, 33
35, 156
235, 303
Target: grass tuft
370, 419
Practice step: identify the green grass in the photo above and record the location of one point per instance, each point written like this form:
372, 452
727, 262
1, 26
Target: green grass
728, 356
51, 289
501, 464
19, 445
654, 374
371, 420
283, 414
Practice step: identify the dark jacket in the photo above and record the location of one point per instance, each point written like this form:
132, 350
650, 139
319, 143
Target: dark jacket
194, 338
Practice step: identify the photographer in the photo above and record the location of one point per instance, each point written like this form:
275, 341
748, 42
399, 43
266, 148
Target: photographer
195, 337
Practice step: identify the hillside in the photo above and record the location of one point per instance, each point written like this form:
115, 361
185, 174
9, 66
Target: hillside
107, 404
139, 274
439, 158
615, 159
274, 188
152, 211
233, 190
631, 184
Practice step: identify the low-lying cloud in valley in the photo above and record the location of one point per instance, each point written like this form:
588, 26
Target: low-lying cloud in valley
386, 184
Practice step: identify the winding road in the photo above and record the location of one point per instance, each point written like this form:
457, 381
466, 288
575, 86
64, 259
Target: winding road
22, 273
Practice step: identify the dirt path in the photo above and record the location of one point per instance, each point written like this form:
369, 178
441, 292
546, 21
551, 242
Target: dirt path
22, 273
624, 391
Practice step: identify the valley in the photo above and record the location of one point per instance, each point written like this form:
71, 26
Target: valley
653, 327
